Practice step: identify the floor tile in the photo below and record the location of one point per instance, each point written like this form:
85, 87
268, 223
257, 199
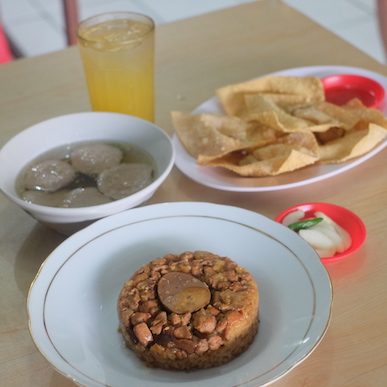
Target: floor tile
17, 10
90, 9
365, 36
36, 37
368, 6
51, 11
170, 10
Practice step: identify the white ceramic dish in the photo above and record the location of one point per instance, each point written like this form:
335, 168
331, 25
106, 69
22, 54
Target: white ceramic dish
72, 302
78, 127
225, 180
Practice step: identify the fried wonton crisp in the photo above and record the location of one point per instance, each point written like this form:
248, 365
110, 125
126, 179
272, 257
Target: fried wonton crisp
275, 124
282, 90
291, 152
353, 144
260, 109
212, 135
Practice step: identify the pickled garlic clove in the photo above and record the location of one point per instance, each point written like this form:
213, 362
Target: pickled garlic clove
293, 217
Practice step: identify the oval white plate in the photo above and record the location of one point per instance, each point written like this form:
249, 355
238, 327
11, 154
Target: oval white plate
222, 179
72, 302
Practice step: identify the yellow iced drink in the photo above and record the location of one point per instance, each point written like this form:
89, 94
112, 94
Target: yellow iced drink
117, 50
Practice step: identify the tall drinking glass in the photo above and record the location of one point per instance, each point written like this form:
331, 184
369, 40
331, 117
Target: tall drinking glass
117, 51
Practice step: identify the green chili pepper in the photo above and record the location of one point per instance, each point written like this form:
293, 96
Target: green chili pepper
304, 224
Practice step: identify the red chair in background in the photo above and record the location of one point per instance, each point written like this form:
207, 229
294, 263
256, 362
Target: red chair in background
5, 52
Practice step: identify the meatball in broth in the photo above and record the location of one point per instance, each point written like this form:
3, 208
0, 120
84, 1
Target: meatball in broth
49, 175
86, 174
95, 158
124, 179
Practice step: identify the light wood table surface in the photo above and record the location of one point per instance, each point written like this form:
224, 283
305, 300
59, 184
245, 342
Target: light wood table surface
194, 57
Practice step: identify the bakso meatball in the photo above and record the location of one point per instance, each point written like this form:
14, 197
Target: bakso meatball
51, 199
84, 197
94, 158
124, 179
49, 175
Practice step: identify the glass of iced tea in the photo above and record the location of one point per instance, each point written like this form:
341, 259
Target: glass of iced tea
117, 51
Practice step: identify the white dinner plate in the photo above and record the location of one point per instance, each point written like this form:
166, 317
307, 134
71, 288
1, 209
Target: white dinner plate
72, 302
223, 179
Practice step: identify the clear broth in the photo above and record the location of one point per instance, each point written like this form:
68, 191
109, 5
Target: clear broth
131, 154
